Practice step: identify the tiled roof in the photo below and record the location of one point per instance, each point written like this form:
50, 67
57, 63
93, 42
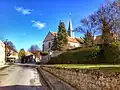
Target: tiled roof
11, 48
54, 33
70, 39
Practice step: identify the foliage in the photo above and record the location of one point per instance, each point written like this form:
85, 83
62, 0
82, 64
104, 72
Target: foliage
80, 56
92, 55
88, 40
109, 54
61, 37
112, 53
21, 53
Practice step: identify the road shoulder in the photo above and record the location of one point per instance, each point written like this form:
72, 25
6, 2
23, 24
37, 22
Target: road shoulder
56, 82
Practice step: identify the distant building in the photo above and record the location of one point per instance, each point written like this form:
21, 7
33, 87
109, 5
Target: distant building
2, 53
73, 42
98, 39
13, 53
33, 57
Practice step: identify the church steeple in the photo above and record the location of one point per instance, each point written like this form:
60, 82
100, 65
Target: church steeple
70, 33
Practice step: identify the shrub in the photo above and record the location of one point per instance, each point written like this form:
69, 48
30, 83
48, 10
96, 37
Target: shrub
112, 53
93, 55
78, 56
109, 54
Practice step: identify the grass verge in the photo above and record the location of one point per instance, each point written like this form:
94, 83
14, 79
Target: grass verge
104, 67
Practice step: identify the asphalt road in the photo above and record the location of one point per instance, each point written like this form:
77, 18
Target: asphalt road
21, 77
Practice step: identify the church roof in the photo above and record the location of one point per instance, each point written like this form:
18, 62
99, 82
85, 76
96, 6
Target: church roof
54, 33
70, 39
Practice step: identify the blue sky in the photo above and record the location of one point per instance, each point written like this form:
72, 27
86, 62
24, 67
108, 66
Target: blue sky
27, 22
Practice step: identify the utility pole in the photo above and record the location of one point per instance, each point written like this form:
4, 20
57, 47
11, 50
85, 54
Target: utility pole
6, 50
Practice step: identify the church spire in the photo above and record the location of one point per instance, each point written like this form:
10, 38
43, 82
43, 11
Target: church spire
70, 33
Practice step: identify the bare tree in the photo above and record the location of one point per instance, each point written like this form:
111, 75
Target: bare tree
34, 49
105, 21
89, 29
10, 47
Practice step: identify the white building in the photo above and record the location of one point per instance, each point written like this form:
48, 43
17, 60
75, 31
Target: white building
73, 42
2, 53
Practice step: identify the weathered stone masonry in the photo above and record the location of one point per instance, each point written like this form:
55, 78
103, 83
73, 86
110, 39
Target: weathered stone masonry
88, 79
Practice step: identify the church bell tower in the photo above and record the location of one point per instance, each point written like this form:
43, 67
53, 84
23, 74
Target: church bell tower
70, 29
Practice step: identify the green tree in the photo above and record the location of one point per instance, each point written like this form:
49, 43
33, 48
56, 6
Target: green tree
62, 35
21, 53
88, 39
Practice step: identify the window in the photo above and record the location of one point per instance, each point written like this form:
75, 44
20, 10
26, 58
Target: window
49, 44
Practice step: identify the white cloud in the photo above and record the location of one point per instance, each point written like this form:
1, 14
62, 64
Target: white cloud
23, 10
38, 24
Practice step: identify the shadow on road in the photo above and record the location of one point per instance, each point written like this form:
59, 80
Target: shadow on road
23, 87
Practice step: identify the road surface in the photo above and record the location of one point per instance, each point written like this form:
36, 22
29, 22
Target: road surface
17, 77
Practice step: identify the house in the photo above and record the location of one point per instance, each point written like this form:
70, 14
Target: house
28, 53
12, 54
36, 57
2, 53
73, 42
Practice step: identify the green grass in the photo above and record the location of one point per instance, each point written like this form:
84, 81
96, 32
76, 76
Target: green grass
87, 66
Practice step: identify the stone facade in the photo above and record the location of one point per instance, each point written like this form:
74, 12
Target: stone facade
88, 79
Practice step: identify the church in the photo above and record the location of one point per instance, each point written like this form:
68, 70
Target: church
73, 42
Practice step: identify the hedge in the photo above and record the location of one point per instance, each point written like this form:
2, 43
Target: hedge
91, 55
80, 56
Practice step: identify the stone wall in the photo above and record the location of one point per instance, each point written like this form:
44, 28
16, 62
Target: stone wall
88, 79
